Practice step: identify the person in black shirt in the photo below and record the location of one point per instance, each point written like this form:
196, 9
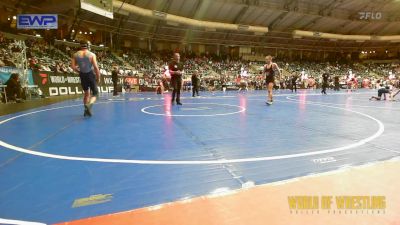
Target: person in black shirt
294, 82
325, 78
195, 83
14, 89
383, 90
270, 71
176, 69
114, 77
336, 81
223, 84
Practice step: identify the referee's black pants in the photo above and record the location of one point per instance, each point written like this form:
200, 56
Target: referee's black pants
176, 82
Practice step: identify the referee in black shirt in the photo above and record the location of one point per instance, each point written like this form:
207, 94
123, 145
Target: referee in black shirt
195, 83
337, 84
325, 78
114, 78
176, 69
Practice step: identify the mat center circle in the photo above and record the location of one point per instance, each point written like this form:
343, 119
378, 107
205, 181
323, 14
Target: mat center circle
193, 110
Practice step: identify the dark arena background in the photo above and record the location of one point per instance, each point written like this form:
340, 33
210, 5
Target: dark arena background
199, 112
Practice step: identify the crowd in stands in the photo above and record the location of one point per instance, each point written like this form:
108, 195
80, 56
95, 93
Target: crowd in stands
7, 47
215, 71
45, 57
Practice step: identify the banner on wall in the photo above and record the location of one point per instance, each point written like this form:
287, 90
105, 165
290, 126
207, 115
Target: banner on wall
6, 71
37, 21
55, 84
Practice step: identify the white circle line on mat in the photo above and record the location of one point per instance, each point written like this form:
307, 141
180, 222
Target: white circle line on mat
341, 104
241, 109
379, 132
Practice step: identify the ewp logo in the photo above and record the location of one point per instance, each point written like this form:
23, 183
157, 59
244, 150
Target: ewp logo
37, 21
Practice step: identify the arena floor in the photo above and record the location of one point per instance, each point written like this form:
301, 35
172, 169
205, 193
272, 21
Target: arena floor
137, 153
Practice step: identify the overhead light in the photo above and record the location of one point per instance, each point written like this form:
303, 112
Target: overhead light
85, 32
210, 29
9, 18
73, 31
80, 32
317, 34
258, 33
14, 17
123, 12
172, 23
243, 27
159, 14
90, 32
